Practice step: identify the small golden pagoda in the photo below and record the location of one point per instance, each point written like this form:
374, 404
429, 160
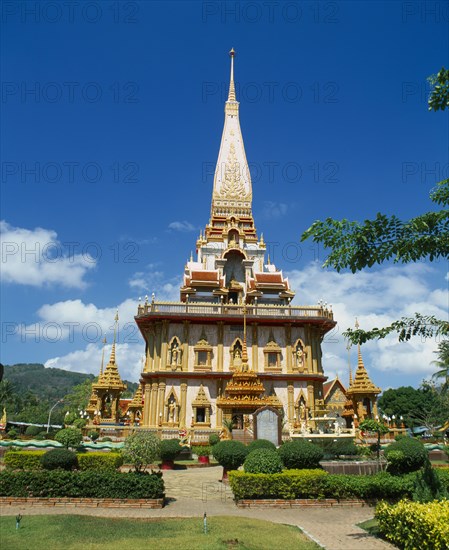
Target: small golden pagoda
103, 404
136, 406
362, 392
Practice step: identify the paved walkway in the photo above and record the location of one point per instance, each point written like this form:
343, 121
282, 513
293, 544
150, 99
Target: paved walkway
191, 493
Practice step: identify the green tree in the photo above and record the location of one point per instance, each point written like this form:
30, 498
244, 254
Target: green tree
374, 426
141, 449
437, 412
408, 402
443, 364
69, 437
354, 245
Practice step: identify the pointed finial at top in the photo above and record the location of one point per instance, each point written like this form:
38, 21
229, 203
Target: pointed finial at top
112, 358
102, 356
231, 96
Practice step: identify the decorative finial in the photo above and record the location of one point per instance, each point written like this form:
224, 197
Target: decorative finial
112, 358
191, 256
231, 96
102, 356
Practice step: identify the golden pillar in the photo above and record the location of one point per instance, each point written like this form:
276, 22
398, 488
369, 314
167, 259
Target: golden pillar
157, 347
183, 404
150, 352
153, 412
185, 347
146, 406
160, 402
255, 348
291, 402
288, 347
164, 338
314, 352
308, 344
220, 332
311, 397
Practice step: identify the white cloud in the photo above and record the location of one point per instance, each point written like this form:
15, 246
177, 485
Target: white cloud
88, 360
37, 258
184, 226
155, 280
273, 210
376, 298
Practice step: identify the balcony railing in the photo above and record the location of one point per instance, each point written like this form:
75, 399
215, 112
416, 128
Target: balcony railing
234, 310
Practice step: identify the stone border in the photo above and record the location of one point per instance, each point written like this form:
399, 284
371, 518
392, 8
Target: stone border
303, 502
84, 502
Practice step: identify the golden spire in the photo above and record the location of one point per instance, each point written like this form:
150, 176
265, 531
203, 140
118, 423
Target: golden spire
231, 96
112, 358
348, 347
102, 357
362, 383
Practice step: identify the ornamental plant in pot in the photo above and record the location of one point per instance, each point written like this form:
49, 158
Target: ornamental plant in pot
203, 452
170, 449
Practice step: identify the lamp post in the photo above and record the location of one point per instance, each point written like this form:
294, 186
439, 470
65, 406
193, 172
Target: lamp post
49, 414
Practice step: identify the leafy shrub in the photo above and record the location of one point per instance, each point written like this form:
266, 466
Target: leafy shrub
230, 454
87, 484
291, 484
100, 462
80, 423
214, 439
414, 525
12, 433
263, 461
141, 449
429, 486
201, 450
170, 449
33, 430
23, 460
59, 459
104, 439
94, 435
300, 454
335, 449
406, 455
261, 444
288, 484
69, 437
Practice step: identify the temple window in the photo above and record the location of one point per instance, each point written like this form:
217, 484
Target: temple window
203, 354
202, 409
273, 355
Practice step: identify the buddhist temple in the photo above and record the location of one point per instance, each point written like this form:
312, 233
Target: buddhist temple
233, 343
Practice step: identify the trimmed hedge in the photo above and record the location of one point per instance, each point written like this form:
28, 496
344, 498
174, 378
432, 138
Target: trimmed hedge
261, 444
411, 525
59, 459
230, 454
263, 461
406, 455
23, 460
100, 462
88, 484
170, 449
300, 454
291, 484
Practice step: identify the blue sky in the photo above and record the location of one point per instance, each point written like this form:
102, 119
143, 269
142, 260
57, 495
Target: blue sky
119, 107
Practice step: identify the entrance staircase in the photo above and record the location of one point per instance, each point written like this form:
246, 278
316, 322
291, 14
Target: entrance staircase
245, 436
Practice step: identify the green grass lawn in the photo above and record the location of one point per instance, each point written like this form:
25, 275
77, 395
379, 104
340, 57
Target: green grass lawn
67, 532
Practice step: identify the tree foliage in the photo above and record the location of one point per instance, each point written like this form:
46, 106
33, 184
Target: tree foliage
141, 449
443, 364
356, 245
69, 437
